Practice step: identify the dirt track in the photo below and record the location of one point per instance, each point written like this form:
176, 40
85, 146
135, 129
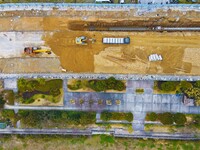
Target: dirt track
176, 48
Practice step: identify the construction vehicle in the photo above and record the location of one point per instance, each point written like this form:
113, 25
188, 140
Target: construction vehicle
111, 40
35, 50
83, 40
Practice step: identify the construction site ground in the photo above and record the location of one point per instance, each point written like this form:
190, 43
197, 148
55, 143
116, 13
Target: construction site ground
58, 30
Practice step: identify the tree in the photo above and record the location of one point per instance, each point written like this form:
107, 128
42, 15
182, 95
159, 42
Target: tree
41, 81
179, 119
168, 86
8, 114
119, 86
2, 102
129, 117
196, 119
166, 118
185, 85
110, 82
87, 118
100, 86
152, 116
21, 84
64, 115
197, 84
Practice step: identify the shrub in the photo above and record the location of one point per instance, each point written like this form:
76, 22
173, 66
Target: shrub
49, 85
2, 102
166, 118
9, 96
196, 120
129, 117
105, 116
197, 84
87, 118
139, 90
119, 86
81, 101
168, 86
179, 119
8, 114
184, 85
111, 83
21, 84
54, 92
151, 116
100, 86
75, 86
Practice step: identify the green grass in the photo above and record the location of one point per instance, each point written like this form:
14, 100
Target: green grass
185, 2
51, 84
49, 97
106, 116
98, 142
105, 139
50, 90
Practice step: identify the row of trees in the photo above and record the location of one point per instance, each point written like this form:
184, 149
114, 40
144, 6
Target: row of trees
106, 116
34, 118
99, 85
181, 86
190, 89
167, 118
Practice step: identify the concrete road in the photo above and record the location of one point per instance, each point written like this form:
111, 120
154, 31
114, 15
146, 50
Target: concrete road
144, 77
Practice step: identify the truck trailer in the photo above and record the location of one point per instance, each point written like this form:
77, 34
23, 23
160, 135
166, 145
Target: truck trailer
110, 40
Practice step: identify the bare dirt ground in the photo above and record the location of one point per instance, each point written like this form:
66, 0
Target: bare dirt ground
62, 27
30, 65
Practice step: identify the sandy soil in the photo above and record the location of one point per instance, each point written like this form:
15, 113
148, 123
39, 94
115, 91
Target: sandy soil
133, 58
30, 65
62, 27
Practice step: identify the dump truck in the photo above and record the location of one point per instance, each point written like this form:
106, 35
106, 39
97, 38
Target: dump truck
35, 50
110, 40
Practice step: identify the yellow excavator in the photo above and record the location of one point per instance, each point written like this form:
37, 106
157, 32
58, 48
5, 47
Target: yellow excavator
83, 40
35, 50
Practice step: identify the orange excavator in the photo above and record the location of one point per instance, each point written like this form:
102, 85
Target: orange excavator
35, 50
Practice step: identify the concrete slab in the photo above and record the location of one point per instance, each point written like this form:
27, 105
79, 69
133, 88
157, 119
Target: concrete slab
10, 84
175, 108
166, 107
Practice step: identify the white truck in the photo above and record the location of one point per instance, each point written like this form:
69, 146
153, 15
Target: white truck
110, 40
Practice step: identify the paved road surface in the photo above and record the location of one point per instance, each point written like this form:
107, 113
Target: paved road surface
149, 77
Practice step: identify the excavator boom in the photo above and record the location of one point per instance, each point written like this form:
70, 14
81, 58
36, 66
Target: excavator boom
35, 50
